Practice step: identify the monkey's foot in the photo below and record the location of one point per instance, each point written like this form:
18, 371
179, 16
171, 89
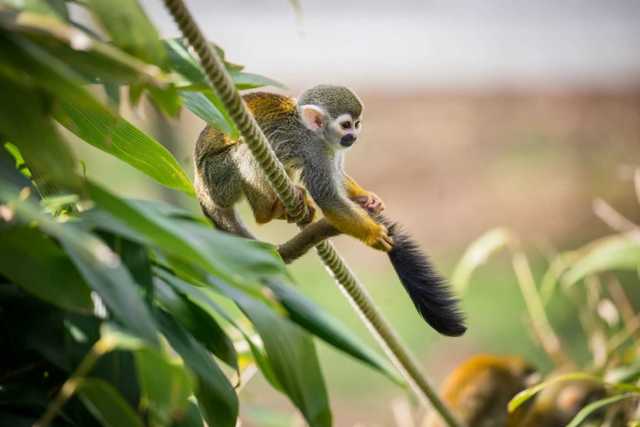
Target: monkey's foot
302, 194
371, 203
383, 242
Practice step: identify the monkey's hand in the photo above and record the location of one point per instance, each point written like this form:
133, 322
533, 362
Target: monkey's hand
370, 202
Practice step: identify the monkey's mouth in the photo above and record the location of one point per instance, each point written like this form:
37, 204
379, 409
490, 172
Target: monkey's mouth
347, 140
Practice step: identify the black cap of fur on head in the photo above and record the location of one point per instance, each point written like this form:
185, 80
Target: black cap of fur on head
429, 291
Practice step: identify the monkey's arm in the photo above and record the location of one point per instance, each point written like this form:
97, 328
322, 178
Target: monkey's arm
345, 215
368, 200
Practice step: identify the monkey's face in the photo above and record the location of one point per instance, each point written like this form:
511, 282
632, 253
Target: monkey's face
338, 133
345, 130
333, 113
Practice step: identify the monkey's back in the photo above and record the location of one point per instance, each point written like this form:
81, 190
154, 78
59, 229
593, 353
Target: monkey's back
276, 115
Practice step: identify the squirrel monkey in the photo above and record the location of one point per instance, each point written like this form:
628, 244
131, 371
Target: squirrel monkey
310, 136
480, 388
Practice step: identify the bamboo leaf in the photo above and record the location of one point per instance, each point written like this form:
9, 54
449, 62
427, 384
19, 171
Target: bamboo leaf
216, 397
36, 264
619, 252
200, 105
129, 28
527, 394
101, 268
106, 404
594, 406
241, 262
315, 320
292, 355
200, 324
116, 136
478, 253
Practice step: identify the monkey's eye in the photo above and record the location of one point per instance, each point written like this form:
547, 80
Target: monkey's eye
345, 125
357, 124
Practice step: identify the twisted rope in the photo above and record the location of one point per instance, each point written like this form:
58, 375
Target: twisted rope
283, 186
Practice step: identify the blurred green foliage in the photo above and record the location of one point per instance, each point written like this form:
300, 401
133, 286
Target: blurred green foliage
112, 305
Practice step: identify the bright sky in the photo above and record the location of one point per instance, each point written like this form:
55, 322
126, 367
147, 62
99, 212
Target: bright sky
436, 43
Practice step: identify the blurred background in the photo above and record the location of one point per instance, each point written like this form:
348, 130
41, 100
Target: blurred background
477, 115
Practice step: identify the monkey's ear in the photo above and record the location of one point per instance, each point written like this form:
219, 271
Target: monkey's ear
313, 116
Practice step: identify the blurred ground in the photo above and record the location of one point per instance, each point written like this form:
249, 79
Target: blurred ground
450, 165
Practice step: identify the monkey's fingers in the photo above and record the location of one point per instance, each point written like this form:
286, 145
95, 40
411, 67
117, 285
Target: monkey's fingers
374, 204
384, 243
371, 203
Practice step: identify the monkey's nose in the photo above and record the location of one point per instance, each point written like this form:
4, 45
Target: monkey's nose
348, 140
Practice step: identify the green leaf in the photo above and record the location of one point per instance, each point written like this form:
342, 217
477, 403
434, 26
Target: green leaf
594, 406
292, 355
106, 404
101, 268
527, 394
84, 54
197, 294
166, 385
136, 258
245, 81
104, 272
116, 136
36, 264
190, 418
315, 320
478, 253
618, 252
200, 324
241, 262
216, 396
129, 28
183, 62
28, 126
200, 105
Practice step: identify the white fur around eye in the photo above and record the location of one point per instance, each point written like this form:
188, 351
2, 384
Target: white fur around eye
312, 116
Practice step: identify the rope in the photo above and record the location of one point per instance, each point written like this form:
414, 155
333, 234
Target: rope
283, 186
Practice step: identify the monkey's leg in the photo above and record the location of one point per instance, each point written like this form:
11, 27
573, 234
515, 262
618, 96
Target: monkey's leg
219, 187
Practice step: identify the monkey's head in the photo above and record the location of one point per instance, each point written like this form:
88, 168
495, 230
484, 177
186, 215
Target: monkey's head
333, 113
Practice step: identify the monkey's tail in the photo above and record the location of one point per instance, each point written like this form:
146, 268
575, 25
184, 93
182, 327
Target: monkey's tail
430, 292
227, 219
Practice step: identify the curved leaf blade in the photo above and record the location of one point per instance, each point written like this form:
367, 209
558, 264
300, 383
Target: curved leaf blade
292, 355
315, 320
477, 254
594, 406
200, 324
129, 28
101, 268
116, 136
619, 252
106, 404
34, 263
216, 396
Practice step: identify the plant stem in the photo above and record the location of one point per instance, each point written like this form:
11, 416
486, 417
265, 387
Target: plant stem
70, 386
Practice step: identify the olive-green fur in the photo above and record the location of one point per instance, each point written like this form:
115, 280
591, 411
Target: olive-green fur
336, 100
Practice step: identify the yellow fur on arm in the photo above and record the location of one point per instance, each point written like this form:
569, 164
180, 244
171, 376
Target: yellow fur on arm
355, 222
353, 188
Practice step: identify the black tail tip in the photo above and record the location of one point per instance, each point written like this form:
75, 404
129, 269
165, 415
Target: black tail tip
430, 292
